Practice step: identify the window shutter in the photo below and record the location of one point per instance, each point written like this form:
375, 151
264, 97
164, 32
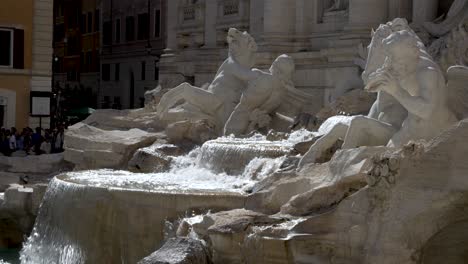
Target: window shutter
18, 49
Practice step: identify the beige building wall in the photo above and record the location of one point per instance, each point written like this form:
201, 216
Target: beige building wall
35, 18
15, 83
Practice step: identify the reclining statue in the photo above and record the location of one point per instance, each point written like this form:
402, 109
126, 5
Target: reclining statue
215, 104
408, 77
385, 116
261, 98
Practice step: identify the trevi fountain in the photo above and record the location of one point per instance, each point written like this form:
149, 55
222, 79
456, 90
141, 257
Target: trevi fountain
215, 174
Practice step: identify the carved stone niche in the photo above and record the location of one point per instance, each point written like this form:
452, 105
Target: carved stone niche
231, 13
334, 11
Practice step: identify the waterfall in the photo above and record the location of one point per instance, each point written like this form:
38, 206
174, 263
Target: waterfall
119, 216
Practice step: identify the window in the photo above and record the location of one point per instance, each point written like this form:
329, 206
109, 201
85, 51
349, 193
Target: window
73, 46
6, 47
59, 32
96, 20
90, 22
156, 71
106, 102
130, 28
12, 48
89, 60
157, 23
83, 23
116, 104
82, 62
106, 72
143, 70
107, 34
117, 31
231, 8
72, 76
117, 72
143, 24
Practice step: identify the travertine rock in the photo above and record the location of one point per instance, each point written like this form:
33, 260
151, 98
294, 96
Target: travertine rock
148, 160
179, 251
347, 176
329, 182
410, 211
110, 119
197, 132
226, 231
32, 164
153, 97
17, 214
89, 147
6, 179
354, 102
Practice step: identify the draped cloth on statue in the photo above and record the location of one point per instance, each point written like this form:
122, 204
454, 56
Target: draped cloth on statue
457, 14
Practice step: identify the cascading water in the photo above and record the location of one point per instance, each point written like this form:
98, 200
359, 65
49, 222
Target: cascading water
231, 155
108, 216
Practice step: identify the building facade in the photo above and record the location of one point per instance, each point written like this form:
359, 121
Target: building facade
76, 53
133, 38
323, 36
25, 59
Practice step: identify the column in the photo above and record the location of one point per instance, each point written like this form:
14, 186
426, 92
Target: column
172, 20
400, 8
305, 15
256, 18
211, 12
425, 10
364, 14
279, 16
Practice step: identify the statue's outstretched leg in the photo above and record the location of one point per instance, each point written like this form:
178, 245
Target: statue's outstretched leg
238, 121
191, 94
366, 131
316, 150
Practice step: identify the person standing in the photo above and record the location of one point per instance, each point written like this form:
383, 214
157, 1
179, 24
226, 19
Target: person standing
12, 140
37, 140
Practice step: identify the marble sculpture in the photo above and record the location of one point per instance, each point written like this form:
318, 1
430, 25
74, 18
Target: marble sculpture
413, 98
216, 103
262, 97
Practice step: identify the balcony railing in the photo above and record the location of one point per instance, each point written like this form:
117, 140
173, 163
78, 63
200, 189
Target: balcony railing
230, 7
189, 13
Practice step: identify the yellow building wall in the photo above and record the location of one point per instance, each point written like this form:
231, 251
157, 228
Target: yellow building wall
21, 85
19, 14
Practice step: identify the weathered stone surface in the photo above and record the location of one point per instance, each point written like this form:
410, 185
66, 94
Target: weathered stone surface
328, 183
226, 231
153, 97
38, 193
354, 102
196, 132
89, 147
149, 160
410, 211
304, 146
33, 164
17, 198
110, 119
179, 251
347, 176
8, 178
18, 209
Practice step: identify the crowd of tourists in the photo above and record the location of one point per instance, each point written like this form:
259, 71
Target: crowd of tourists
31, 142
